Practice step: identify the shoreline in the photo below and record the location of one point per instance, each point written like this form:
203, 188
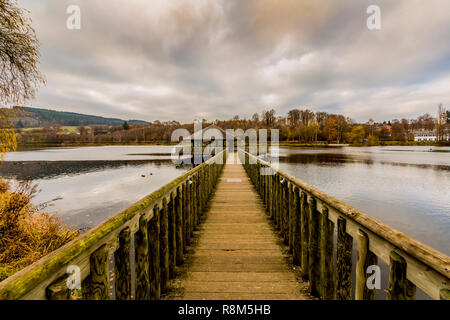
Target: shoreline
292, 144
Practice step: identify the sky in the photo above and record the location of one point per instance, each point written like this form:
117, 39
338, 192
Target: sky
193, 59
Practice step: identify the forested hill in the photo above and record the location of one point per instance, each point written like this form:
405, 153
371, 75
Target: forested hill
27, 117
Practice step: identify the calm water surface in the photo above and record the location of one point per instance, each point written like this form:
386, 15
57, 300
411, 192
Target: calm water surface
94, 183
405, 187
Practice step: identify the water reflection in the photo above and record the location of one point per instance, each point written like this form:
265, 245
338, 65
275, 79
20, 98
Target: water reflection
94, 182
397, 189
53, 169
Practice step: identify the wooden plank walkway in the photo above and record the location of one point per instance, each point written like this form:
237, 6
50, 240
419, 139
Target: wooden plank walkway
238, 255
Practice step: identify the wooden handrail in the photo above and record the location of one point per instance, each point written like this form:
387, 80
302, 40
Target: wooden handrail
34, 281
381, 238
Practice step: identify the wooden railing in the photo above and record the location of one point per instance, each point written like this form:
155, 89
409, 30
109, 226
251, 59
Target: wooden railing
161, 225
306, 218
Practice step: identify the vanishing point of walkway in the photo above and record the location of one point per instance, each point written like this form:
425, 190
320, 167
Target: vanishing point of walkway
238, 255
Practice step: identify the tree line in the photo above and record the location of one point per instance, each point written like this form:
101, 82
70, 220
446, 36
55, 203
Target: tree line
298, 125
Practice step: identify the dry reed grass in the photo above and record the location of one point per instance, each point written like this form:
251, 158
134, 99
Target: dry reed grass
26, 233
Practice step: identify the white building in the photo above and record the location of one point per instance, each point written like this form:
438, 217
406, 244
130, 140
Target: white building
425, 136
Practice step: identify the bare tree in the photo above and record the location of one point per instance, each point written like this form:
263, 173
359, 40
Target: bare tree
19, 55
19, 75
269, 117
294, 117
440, 122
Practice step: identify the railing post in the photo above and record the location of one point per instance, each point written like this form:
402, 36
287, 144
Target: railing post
187, 240
210, 178
154, 266
291, 218
189, 211
281, 207
259, 179
365, 259
304, 224
164, 245
277, 202
205, 186
141, 264
201, 189
269, 192
179, 226
285, 210
192, 207
122, 266
343, 262
273, 179
266, 188
296, 237
198, 210
400, 288
327, 256
99, 274
280, 204
314, 252
172, 234
204, 193
273, 197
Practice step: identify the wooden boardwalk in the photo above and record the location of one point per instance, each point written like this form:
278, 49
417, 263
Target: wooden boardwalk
238, 255
236, 252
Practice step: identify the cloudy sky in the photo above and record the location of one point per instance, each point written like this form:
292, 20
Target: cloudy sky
186, 59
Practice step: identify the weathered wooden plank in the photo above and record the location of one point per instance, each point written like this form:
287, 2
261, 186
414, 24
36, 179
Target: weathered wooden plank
365, 259
154, 252
314, 249
343, 263
187, 214
286, 212
291, 218
279, 204
179, 226
238, 252
400, 288
421, 275
187, 238
327, 256
122, 266
304, 218
164, 246
99, 281
141, 264
296, 236
172, 210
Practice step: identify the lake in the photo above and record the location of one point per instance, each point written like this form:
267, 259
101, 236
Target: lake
93, 183
407, 188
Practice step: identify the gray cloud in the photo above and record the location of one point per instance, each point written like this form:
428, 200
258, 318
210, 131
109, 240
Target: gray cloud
185, 59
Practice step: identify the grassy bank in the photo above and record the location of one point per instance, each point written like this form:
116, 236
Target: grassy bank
26, 233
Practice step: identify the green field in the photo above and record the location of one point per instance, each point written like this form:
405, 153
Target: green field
65, 129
